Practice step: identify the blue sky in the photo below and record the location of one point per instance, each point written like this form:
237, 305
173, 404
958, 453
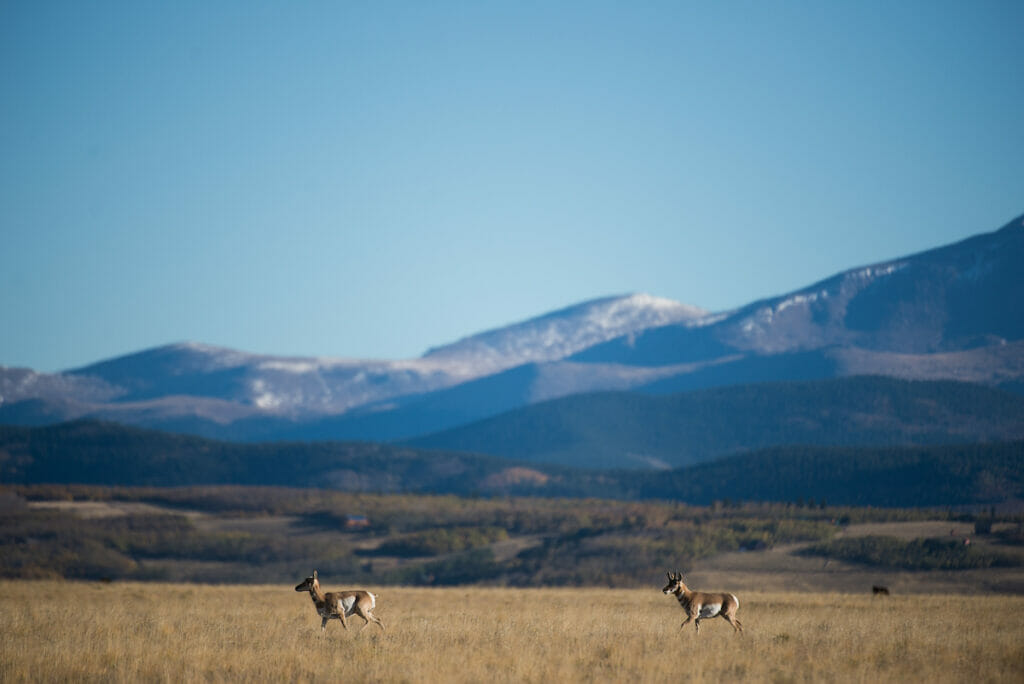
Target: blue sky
370, 179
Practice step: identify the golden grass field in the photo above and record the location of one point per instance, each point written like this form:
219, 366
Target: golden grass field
67, 631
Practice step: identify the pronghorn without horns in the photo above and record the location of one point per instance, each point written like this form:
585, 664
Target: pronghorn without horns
699, 605
338, 605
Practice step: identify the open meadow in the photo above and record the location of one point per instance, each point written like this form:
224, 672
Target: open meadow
76, 631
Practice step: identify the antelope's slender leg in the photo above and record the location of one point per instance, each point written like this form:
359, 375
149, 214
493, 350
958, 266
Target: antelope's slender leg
323, 624
736, 626
368, 616
366, 620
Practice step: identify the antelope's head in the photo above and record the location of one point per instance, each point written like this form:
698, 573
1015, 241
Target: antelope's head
675, 583
308, 583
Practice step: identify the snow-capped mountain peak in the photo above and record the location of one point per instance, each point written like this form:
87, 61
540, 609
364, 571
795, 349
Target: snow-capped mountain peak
561, 333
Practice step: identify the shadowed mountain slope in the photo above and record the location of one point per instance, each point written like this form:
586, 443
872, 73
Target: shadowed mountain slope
629, 430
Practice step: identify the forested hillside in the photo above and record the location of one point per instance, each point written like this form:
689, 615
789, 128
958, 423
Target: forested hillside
104, 454
89, 452
936, 476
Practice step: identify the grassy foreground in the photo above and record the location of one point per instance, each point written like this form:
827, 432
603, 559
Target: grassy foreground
70, 631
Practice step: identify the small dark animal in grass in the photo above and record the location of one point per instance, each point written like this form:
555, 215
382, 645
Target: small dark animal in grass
338, 605
879, 590
699, 605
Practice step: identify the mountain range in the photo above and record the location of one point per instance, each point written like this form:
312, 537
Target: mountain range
953, 313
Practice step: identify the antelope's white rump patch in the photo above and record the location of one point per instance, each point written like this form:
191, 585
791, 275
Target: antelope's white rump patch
710, 610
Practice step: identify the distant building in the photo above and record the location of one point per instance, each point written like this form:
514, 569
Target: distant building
356, 522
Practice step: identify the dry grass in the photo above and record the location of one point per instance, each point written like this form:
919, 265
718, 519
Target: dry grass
64, 631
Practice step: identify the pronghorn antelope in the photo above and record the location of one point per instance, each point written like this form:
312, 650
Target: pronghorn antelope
338, 605
699, 605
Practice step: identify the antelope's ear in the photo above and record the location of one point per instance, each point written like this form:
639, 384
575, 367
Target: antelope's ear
314, 574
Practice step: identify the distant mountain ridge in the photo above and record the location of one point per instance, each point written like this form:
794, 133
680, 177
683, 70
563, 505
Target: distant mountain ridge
954, 298
947, 313
251, 384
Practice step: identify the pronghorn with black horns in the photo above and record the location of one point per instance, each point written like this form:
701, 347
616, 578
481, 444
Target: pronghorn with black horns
338, 605
699, 605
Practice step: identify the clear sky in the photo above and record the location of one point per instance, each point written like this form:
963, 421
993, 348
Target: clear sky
370, 179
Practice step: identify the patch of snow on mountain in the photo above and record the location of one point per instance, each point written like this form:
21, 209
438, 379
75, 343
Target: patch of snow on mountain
763, 326
263, 398
709, 319
297, 366
799, 299
876, 271
213, 356
18, 384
